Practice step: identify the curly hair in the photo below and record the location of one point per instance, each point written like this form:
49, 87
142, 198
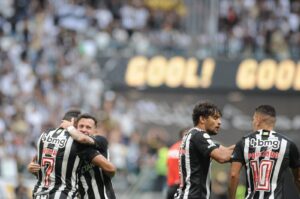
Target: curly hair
205, 109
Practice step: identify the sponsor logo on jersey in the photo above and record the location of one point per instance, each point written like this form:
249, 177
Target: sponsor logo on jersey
51, 152
86, 168
264, 143
264, 154
60, 142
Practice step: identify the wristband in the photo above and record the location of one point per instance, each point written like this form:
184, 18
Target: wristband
71, 128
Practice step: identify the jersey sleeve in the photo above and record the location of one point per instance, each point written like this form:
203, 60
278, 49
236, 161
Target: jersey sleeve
101, 144
294, 156
87, 153
238, 153
204, 144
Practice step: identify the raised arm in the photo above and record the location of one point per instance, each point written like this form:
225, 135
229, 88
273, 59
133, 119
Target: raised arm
222, 154
75, 134
234, 178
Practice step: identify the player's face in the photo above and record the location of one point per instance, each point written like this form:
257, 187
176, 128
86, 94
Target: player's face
213, 124
86, 126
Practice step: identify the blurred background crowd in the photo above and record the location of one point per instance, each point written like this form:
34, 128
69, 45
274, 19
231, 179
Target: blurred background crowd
50, 61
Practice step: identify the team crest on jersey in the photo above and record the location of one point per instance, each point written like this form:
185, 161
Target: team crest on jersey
58, 141
264, 143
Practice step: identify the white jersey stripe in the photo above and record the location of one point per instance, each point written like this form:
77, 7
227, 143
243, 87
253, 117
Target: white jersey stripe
95, 187
74, 176
246, 150
208, 182
270, 148
83, 181
64, 167
42, 171
188, 167
257, 150
52, 176
283, 147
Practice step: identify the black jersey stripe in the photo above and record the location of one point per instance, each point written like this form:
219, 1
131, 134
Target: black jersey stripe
98, 182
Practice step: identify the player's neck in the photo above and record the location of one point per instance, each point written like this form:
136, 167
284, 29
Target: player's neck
265, 127
201, 126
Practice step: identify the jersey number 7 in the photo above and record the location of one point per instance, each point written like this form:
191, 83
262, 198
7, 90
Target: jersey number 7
48, 164
262, 174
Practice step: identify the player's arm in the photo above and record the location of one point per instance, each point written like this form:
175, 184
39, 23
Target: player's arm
222, 154
100, 161
234, 178
206, 146
75, 134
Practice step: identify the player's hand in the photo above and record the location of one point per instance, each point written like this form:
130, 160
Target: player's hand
33, 167
65, 123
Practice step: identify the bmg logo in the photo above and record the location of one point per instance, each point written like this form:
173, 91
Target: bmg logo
264, 143
61, 142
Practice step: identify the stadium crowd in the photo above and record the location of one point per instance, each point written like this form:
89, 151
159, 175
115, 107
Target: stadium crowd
260, 29
49, 53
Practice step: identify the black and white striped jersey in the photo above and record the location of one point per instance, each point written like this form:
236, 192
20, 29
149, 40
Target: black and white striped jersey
60, 159
266, 154
94, 183
195, 165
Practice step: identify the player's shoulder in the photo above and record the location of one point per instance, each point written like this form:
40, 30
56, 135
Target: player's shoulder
249, 135
101, 141
196, 130
50, 129
99, 138
197, 133
282, 136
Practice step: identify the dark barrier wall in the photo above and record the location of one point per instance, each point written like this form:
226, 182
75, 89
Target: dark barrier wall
208, 74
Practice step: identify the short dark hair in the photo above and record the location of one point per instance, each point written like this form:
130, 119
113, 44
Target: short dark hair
87, 116
71, 114
205, 109
266, 110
